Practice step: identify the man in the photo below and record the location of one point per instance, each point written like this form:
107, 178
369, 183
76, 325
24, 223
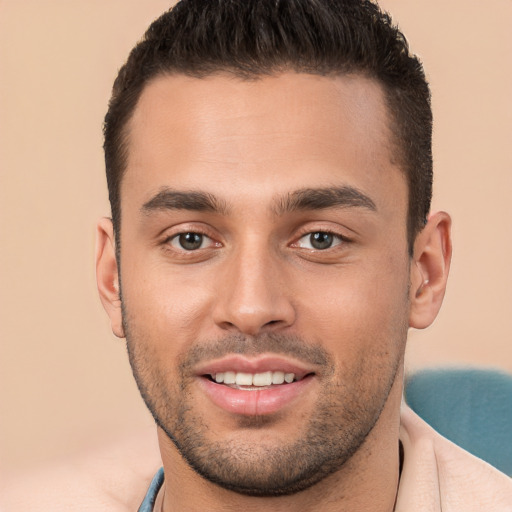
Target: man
269, 171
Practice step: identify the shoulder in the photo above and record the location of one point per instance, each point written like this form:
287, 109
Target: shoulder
110, 478
445, 476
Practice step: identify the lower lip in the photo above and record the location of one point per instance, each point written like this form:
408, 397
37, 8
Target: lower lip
254, 402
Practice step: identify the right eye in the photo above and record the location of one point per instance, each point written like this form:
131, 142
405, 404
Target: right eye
190, 241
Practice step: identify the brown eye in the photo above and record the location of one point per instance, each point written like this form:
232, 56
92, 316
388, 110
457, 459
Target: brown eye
319, 240
189, 241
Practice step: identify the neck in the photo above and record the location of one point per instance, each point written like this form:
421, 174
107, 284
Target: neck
367, 481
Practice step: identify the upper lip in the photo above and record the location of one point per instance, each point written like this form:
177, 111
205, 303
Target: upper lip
260, 364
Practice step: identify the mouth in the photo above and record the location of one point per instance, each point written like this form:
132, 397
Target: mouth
255, 381
255, 387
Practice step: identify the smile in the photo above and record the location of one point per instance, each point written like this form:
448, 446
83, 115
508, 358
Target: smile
253, 381
261, 386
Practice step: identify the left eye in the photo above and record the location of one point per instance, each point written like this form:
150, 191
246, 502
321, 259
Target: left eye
319, 240
190, 241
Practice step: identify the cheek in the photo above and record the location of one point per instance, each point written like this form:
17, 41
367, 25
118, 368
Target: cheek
361, 320
361, 306
163, 304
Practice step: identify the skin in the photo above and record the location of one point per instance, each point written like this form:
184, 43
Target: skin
256, 279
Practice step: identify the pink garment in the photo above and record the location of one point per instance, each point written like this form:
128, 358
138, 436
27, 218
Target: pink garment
438, 476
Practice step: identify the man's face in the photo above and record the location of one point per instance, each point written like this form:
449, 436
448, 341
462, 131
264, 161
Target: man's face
263, 237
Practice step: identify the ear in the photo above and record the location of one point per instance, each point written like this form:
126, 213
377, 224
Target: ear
107, 276
429, 270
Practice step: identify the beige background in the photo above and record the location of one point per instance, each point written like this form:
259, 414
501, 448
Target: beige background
64, 379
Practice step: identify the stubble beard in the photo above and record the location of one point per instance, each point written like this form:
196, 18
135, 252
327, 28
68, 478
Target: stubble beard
344, 415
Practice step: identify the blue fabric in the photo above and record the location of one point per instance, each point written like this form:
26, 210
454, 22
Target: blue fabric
149, 501
470, 407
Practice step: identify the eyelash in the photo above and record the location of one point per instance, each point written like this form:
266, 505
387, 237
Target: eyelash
167, 242
342, 239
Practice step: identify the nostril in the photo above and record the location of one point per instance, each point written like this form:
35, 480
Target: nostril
252, 319
228, 326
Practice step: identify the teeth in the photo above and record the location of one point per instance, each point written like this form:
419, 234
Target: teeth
262, 379
229, 378
254, 379
243, 379
288, 377
277, 377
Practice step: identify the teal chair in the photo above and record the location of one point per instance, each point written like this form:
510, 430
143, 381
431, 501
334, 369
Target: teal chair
470, 407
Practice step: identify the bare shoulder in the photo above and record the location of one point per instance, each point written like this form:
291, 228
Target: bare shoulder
113, 478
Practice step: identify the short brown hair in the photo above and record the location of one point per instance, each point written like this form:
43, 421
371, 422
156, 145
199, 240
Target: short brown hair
251, 38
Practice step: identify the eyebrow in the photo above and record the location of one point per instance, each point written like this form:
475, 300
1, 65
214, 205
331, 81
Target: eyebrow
302, 199
169, 199
323, 198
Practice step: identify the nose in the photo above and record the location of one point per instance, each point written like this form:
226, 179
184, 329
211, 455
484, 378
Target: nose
253, 296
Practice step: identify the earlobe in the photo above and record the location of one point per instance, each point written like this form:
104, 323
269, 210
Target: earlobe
107, 276
429, 270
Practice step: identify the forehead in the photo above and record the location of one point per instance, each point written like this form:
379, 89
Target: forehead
262, 136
